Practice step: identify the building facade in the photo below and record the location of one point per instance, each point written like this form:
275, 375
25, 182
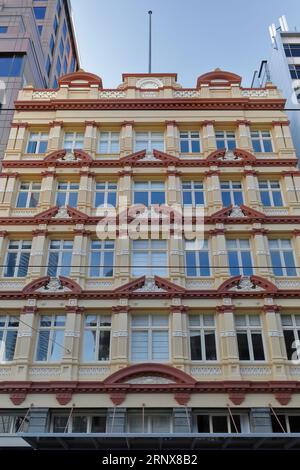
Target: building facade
110, 340
37, 46
283, 69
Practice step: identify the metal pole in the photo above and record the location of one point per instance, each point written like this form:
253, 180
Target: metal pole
150, 41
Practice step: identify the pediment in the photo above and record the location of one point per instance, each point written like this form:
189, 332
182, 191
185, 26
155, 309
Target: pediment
48, 285
63, 156
250, 284
149, 374
156, 156
61, 213
237, 212
236, 155
150, 285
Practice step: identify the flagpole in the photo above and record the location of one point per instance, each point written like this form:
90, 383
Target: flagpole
150, 41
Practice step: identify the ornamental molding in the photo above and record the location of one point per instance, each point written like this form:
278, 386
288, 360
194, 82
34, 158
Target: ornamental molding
149, 83
206, 371
255, 93
62, 213
92, 371
44, 95
53, 285
228, 334
5, 371
150, 286
150, 379
111, 94
255, 371
246, 284
120, 334
72, 334
236, 211
186, 94
44, 371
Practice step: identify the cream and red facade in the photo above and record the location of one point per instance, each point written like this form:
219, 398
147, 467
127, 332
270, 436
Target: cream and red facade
180, 386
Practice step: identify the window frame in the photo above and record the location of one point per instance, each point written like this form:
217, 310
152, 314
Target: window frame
249, 329
193, 190
61, 250
190, 139
19, 251
151, 271
280, 251
150, 146
226, 139
232, 191
77, 138
52, 329
239, 251
149, 329
110, 141
40, 140
202, 329
270, 192
98, 328
149, 190
68, 191
5, 329
30, 192
102, 251
105, 191
206, 250
261, 139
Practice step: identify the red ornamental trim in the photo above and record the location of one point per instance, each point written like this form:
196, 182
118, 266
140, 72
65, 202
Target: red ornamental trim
117, 398
82, 156
243, 122
218, 78
25, 125
271, 309
56, 124
80, 76
221, 309
280, 123
182, 398
283, 398
39, 232
29, 310
64, 398
39, 283
74, 309
171, 123
208, 123
127, 123
162, 370
232, 104
17, 398
91, 123
44, 174
267, 286
237, 398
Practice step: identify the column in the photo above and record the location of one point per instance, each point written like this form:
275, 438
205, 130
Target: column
122, 256
80, 257
213, 192
244, 140
10, 190
71, 352
252, 198
120, 327
296, 234
55, 136
260, 420
219, 251
274, 335
38, 420
179, 345
286, 132
208, 137
126, 138
26, 334
3, 181
21, 139
172, 138
3, 235
125, 188
296, 179
291, 190
12, 137
39, 253
48, 189
90, 137
261, 252
229, 356
281, 144
173, 194
85, 191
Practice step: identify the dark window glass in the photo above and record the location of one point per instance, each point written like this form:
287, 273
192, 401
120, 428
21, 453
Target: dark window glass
203, 423
104, 343
98, 424
11, 65
79, 424
289, 339
195, 342
52, 44
258, 348
275, 424
39, 12
235, 422
210, 346
294, 423
220, 424
3, 29
243, 346
60, 423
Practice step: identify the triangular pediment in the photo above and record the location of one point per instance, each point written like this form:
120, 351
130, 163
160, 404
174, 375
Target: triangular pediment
61, 213
150, 285
142, 157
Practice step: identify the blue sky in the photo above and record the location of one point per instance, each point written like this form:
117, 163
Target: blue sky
190, 37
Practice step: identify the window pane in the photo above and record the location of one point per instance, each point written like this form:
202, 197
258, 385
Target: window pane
160, 345
89, 345
104, 344
276, 263
42, 347
57, 346
195, 344
98, 424
203, 423
243, 346
139, 346
258, 349
210, 346
10, 345
289, 339
60, 423
79, 424
220, 424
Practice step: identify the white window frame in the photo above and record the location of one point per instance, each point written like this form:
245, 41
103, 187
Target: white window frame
150, 328
231, 190
280, 251
67, 191
148, 421
239, 250
270, 190
52, 328
60, 252
30, 191
151, 270
151, 140
261, 139
226, 137
5, 329
19, 250
193, 190
98, 328
106, 190
74, 138
113, 137
190, 138
244, 420
248, 328
206, 247
148, 189
202, 329
293, 327
77, 414
102, 250
39, 138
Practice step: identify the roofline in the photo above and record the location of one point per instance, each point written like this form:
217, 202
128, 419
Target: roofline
174, 75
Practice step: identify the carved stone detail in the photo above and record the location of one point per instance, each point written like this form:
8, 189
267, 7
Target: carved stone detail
54, 285
236, 212
62, 213
150, 286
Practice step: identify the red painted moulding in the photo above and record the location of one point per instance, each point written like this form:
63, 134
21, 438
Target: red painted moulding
218, 78
80, 75
283, 398
17, 398
269, 287
237, 398
43, 281
82, 156
161, 370
64, 398
117, 398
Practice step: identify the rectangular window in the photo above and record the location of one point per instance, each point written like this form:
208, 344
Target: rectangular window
109, 142
149, 338
60, 258
17, 258
249, 338
232, 193
190, 142
8, 337
78, 423
149, 141
202, 333
39, 12
282, 257
149, 193
197, 258
140, 423
292, 50
37, 142
11, 424
221, 423
28, 195
3, 29
239, 257
73, 140
67, 194
50, 338
106, 194
291, 333
11, 65
102, 258
270, 193
225, 140
96, 341
149, 257
261, 141
192, 193
294, 71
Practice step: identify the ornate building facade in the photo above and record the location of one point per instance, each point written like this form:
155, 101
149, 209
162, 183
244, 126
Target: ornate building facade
149, 341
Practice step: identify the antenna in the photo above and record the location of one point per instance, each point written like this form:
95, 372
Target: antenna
150, 41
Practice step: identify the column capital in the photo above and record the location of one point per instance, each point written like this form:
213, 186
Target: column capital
272, 308
221, 309
25, 125
38, 232
212, 173
3, 233
179, 309
82, 231
116, 309
171, 123
260, 231
244, 122
208, 123
250, 172
48, 173
280, 123
74, 309
56, 124
127, 123
91, 123
217, 231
